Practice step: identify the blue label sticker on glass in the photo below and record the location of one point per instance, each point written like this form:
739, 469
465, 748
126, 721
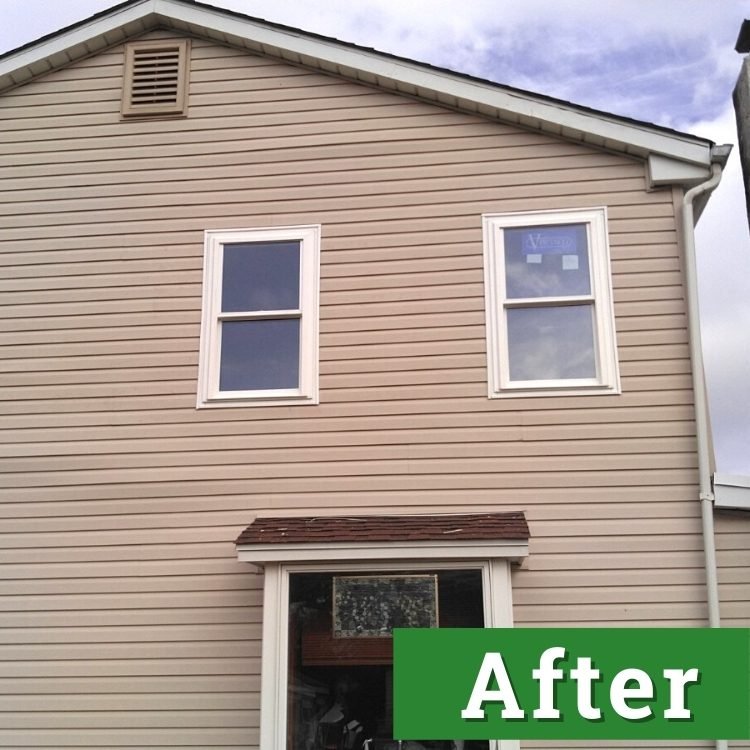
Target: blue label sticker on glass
550, 241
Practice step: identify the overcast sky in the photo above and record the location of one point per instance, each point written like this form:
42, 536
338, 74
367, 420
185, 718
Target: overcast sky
671, 62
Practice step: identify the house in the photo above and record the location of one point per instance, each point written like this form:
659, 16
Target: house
406, 336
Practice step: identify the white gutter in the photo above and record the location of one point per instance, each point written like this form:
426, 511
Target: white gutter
701, 406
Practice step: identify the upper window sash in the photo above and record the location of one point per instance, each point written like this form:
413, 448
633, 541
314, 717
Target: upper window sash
574, 301
289, 309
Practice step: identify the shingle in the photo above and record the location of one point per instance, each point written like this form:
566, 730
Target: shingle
417, 528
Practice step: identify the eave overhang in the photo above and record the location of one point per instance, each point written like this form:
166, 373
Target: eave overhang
731, 492
459, 536
673, 156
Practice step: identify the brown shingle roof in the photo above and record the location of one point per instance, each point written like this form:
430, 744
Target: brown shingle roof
478, 526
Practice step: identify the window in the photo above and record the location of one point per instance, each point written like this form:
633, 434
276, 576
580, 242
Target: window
155, 78
324, 691
550, 321
259, 332
340, 650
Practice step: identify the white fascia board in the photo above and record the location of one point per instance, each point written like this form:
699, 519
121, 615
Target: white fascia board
61, 43
401, 75
732, 491
259, 554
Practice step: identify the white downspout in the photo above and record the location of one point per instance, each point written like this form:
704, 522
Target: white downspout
701, 406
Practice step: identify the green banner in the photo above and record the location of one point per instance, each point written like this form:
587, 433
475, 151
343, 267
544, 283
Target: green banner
572, 683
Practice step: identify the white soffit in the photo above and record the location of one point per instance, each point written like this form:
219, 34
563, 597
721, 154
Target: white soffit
404, 76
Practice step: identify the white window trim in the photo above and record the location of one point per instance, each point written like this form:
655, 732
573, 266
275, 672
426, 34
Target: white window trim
308, 312
499, 382
498, 613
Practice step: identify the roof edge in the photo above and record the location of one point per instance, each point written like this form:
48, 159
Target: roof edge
391, 72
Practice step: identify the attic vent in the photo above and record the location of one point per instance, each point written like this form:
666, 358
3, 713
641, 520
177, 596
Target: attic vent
155, 79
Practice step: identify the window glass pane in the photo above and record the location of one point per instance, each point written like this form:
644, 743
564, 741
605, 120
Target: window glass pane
340, 687
260, 276
551, 343
546, 261
259, 354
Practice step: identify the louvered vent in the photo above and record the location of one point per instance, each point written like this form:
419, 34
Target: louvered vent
155, 79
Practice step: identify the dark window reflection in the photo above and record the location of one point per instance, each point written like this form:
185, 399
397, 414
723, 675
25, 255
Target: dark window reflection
340, 694
260, 276
259, 354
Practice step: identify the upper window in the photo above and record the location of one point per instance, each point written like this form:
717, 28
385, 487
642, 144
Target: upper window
155, 78
550, 321
259, 333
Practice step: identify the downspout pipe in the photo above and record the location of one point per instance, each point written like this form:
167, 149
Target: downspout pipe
706, 495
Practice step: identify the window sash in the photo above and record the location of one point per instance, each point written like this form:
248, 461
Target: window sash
209, 393
498, 304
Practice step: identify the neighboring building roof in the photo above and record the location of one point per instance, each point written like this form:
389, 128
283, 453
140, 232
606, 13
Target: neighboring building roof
672, 156
476, 526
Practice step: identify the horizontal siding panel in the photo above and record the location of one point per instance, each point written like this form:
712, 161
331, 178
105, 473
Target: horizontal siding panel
238, 580
62, 441
348, 195
130, 634
181, 467
130, 720
671, 614
555, 502
137, 650
194, 701
114, 739
110, 601
144, 667
129, 687
473, 454
382, 120
291, 159
614, 594
470, 442
373, 172
391, 208
137, 616
535, 412
173, 484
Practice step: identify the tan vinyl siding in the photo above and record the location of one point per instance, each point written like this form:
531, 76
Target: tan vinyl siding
126, 619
